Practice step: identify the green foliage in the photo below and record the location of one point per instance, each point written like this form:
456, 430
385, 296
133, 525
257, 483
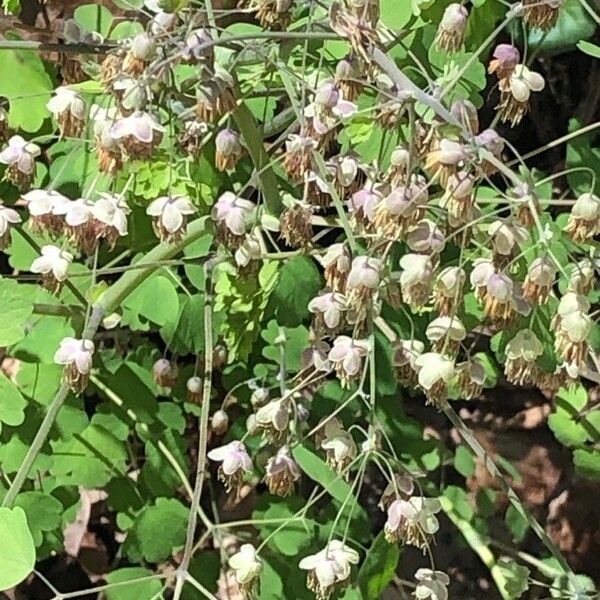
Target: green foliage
516, 577
16, 306
17, 551
378, 568
147, 589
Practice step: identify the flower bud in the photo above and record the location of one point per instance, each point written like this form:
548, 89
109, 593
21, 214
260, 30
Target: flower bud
194, 389
228, 149
451, 30
219, 422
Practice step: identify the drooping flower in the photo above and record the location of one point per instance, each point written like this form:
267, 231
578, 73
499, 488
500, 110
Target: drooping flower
505, 58
470, 378
230, 213
53, 265
273, 418
298, 156
451, 30
247, 567
142, 51
458, 197
349, 73
228, 149
336, 261
434, 374
19, 157
514, 99
273, 14
347, 357
541, 14
43, 214
400, 163
76, 355
219, 422
329, 570
572, 327
339, 446
235, 462
412, 521
198, 47
581, 278
194, 388
522, 353
248, 252
362, 283
165, 373
328, 109
584, 220
445, 334
401, 488
295, 224
465, 112
426, 237
193, 136
433, 585
405, 354
108, 149
139, 134
8, 217
215, 96
68, 108
490, 141
170, 216
494, 289
416, 279
281, 473
402, 208
539, 281
110, 212
80, 223
329, 309
506, 238
448, 290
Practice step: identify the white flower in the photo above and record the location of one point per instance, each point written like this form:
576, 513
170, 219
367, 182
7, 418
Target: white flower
8, 217
347, 355
234, 461
432, 585
231, 211
140, 125
330, 307
53, 262
364, 273
274, 417
77, 356
523, 82
246, 566
112, 211
413, 521
170, 214
434, 368
20, 154
41, 203
442, 327
76, 212
66, 100
77, 352
329, 567
248, 251
281, 473
426, 236
506, 237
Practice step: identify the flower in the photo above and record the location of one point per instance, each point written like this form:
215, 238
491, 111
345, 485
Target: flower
445, 159
165, 373
362, 283
584, 220
506, 58
451, 31
336, 261
170, 214
79, 219
298, 155
514, 99
340, 449
43, 210
363, 203
215, 96
230, 213
53, 264
8, 217
247, 567
541, 14
198, 47
219, 422
328, 308
348, 76
445, 333
581, 277
571, 333
248, 251
401, 488
142, 50
19, 156
281, 473
194, 388
234, 461
273, 418
434, 372
274, 14
416, 279
448, 289
68, 109
405, 354
522, 351
76, 355
426, 236
412, 521
228, 149
110, 212
328, 108
539, 280
329, 569
295, 224
346, 356
403, 207
471, 377
506, 238
432, 585
139, 133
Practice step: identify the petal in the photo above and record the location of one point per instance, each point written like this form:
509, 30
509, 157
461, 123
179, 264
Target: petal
171, 218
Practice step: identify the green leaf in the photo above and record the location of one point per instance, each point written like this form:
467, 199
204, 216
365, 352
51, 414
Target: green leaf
155, 299
17, 550
271, 586
94, 17
379, 567
15, 307
43, 512
157, 531
463, 461
516, 522
587, 462
299, 282
144, 590
12, 402
28, 93
394, 14
91, 459
589, 48
296, 341
43, 339
517, 577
